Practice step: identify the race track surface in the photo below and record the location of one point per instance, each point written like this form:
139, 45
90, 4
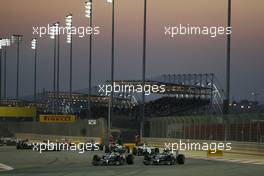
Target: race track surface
31, 163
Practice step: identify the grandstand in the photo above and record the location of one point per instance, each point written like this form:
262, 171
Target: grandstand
189, 108
184, 94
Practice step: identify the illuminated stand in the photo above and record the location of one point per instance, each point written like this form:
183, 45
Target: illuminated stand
34, 47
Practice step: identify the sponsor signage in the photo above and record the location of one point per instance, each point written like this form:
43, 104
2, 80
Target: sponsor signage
92, 122
18, 112
215, 153
57, 118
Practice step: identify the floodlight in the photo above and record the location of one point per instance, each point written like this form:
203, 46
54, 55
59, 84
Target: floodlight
54, 30
68, 20
1, 43
16, 38
6, 42
34, 44
88, 9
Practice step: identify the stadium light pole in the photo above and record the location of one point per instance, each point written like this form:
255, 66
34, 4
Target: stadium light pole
228, 58
17, 39
1, 46
34, 47
68, 20
112, 66
143, 71
58, 64
7, 42
53, 36
227, 100
89, 14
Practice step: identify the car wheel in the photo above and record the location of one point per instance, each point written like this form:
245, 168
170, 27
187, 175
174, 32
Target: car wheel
96, 158
156, 150
120, 161
107, 149
101, 147
135, 151
130, 159
146, 162
180, 159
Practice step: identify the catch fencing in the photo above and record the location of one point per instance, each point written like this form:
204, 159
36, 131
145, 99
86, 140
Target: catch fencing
235, 127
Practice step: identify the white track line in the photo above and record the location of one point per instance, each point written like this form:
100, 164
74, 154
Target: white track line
242, 161
4, 167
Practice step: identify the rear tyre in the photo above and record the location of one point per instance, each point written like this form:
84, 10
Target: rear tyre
101, 147
96, 160
107, 149
135, 151
119, 161
146, 162
180, 159
156, 150
130, 159
18, 146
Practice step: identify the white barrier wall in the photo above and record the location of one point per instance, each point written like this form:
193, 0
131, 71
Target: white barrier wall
77, 128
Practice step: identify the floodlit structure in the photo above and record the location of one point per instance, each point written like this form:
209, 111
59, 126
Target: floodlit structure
34, 47
68, 20
17, 39
54, 34
88, 14
5, 43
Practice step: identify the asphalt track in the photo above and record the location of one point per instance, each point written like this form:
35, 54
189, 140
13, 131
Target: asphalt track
31, 163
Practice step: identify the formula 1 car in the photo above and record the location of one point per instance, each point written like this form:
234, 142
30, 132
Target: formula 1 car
47, 146
24, 144
165, 158
1, 143
118, 156
7, 141
43, 146
143, 150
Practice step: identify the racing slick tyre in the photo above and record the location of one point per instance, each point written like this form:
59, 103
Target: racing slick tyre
130, 159
171, 162
180, 159
147, 159
96, 160
146, 163
18, 145
120, 161
127, 149
107, 149
156, 150
135, 151
101, 147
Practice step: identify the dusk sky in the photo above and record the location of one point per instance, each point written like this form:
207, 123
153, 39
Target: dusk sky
182, 54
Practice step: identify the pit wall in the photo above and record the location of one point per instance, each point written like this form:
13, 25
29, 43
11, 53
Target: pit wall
77, 128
